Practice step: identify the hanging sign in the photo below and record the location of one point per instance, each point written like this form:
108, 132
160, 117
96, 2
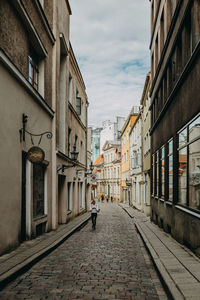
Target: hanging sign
35, 155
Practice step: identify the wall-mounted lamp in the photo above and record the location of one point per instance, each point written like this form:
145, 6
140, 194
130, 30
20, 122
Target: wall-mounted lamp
74, 157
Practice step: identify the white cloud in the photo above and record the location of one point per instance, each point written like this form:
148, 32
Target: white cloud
110, 39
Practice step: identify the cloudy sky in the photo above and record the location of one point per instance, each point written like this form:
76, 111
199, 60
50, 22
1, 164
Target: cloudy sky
110, 39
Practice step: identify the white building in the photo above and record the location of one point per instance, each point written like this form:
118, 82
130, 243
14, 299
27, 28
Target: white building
136, 177
111, 131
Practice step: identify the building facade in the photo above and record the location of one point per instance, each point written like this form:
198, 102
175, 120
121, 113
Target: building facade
136, 175
96, 143
72, 178
146, 143
111, 131
175, 119
26, 79
112, 160
125, 155
36, 62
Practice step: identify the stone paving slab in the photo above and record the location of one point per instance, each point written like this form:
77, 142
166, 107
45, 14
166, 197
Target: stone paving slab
177, 265
30, 252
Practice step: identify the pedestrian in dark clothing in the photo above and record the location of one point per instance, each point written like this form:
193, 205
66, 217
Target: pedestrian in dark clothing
102, 198
111, 198
94, 210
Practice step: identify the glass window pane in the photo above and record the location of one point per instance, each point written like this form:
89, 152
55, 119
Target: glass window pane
170, 174
163, 172
194, 175
194, 129
153, 179
183, 137
171, 147
182, 198
157, 174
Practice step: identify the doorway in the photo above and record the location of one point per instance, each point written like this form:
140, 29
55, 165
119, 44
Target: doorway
23, 200
61, 198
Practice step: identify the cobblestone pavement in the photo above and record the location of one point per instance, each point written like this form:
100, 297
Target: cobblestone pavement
107, 263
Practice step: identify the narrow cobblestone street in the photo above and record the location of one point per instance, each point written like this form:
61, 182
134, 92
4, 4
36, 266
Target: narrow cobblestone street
107, 263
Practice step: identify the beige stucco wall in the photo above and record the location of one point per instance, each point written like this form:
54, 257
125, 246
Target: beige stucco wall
14, 102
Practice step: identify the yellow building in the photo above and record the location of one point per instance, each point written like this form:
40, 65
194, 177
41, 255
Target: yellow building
125, 155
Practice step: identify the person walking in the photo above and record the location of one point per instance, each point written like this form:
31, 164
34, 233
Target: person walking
94, 210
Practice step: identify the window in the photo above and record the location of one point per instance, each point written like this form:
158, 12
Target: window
81, 151
69, 141
81, 195
69, 196
162, 33
153, 175
70, 89
33, 69
78, 104
38, 190
182, 176
170, 170
195, 23
157, 174
189, 165
162, 165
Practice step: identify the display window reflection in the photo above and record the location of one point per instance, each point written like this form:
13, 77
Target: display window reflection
189, 165
194, 175
170, 170
162, 172
182, 172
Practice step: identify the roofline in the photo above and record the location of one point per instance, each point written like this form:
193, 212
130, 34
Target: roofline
138, 117
68, 6
145, 87
127, 121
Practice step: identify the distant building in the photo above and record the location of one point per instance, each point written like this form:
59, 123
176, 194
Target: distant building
112, 160
146, 143
95, 143
136, 177
125, 155
175, 119
111, 131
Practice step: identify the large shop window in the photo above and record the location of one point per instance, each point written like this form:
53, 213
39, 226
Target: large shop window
162, 166
38, 190
189, 165
157, 173
170, 170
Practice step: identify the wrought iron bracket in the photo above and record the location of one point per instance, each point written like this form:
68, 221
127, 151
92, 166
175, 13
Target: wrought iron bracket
63, 167
23, 132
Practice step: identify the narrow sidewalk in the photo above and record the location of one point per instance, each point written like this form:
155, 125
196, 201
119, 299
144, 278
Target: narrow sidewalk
177, 265
29, 252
